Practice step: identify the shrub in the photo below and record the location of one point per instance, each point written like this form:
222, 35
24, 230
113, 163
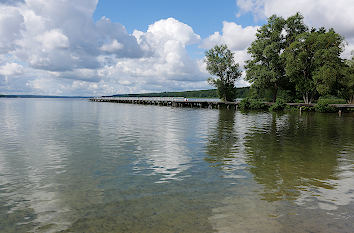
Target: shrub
307, 108
257, 105
252, 104
279, 105
244, 104
332, 100
323, 105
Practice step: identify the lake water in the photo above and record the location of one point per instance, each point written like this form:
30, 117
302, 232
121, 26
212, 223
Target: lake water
70, 165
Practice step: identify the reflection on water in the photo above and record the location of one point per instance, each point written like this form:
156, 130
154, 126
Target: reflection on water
76, 166
292, 156
302, 168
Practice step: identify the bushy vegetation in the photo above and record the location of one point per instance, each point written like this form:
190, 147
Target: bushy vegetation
332, 100
307, 109
252, 104
279, 105
324, 105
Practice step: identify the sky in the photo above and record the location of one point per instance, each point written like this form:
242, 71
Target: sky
93, 48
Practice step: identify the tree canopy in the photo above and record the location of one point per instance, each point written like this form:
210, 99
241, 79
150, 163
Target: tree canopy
220, 63
346, 84
287, 55
289, 59
266, 68
313, 63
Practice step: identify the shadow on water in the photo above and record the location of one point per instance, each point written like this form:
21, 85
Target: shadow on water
300, 168
222, 140
286, 153
291, 154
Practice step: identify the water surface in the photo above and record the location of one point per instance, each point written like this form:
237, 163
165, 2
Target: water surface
69, 165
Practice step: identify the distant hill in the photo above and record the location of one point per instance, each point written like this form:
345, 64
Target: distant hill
211, 93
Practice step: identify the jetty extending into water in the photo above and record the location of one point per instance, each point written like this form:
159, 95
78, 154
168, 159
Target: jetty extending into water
196, 103
169, 101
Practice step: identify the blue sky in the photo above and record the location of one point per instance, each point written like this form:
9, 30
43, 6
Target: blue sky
103, 47
205, 17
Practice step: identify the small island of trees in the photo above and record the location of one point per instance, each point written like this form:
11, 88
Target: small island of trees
289, 61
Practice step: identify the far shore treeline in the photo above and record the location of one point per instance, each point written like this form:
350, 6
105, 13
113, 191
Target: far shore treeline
289, 61
241, 92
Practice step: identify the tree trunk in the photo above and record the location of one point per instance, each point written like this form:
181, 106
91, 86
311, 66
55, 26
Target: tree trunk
305, 98
351, 100
275, 93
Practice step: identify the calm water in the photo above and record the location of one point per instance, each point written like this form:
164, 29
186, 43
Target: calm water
77, 166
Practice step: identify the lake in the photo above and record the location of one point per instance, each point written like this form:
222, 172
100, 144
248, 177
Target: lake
70, 165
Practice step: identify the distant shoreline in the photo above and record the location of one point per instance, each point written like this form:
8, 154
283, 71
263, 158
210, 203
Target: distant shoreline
43, 96
241, 92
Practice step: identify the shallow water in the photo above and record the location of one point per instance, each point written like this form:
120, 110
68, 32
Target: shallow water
69, 165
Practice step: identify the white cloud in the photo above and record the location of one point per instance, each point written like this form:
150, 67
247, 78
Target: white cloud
166, 59
11, 23
238, 39
112, 47
317, 13
53, 39
66, 52
9, 69
55, 47
235, 36
255, 6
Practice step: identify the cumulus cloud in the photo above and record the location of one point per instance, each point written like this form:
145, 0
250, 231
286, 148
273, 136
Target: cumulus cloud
64, 51
331, 14
112, 47
165, 65
11, 23
53, 39
11, 2
234, 35
11, 69
55, 47
238, 39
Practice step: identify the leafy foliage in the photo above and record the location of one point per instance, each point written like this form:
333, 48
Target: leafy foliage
220, 62
252, 104
323, 105
313, 62
266, 68
346, 84
279, 105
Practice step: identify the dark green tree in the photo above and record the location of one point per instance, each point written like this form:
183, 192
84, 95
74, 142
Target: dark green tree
313, 63
220, 63
266, 68
346, 84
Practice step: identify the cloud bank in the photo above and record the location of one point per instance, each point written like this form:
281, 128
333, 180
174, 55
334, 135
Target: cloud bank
55, 47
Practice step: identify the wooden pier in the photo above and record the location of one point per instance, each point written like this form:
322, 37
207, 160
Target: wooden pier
169, 101
195, 103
